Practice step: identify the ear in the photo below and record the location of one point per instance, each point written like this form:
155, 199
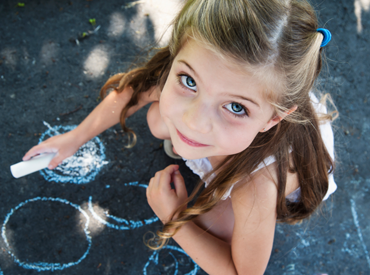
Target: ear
276, 119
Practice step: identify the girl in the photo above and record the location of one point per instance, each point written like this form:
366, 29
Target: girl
231, 92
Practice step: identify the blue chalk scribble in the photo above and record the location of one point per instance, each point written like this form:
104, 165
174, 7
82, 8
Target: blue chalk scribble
42, 266
127, 224
154, 258
80, 168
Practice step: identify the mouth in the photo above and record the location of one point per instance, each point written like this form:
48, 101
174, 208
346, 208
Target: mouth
189, 141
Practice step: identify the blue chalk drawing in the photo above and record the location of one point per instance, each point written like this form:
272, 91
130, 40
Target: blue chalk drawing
155, 259
80, 168
42, 266
1, 273
359, 232
127, 224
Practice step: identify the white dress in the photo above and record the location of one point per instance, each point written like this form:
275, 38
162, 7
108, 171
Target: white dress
202, 166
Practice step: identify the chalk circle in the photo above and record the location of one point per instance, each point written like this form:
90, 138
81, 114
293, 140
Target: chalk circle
154, 258
123, 224
43, 266
80, 168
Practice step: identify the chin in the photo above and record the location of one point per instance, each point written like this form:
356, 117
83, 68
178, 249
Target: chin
187, 154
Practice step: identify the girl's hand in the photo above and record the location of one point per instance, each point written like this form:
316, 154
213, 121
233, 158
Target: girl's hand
161, 197
64, 146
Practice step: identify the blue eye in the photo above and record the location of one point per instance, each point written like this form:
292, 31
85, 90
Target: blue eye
236, 109
188, 82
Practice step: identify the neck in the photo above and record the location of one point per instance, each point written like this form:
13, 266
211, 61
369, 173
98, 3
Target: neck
216, 160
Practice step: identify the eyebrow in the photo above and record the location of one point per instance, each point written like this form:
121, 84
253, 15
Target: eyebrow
237, 96
245, 98
184, 62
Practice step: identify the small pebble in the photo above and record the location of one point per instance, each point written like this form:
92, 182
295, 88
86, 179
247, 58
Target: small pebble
331, 241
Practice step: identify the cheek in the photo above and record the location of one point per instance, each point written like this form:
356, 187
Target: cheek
168, 101
235, 141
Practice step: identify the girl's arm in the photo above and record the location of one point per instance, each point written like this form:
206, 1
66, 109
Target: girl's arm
108, 112
104, 116
254, 206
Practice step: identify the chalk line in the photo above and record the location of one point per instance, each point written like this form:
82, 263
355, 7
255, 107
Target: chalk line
155, 259
42, 266
80, 168
303, 241
359, 232
51, 128
177, 263
128, 224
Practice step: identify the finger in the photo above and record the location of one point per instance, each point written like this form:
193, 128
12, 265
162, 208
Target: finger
151, 184
36, 150
171, 169
166, 177
55, 161
179, 183
31, 153
156, 179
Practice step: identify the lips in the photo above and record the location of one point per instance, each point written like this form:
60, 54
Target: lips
189, 141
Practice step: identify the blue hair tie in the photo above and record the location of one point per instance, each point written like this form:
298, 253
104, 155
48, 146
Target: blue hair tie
327, 36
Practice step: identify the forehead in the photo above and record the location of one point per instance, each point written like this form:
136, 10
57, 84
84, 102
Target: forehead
195, 46
271, 78
224, 70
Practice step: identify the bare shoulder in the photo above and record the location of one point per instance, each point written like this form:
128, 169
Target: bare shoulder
267, 179
151, 95
265, 182
155, 121
258, 193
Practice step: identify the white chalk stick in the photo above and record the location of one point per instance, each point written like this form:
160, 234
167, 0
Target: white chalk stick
37, 163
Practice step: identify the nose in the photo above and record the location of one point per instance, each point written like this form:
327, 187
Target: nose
198, 116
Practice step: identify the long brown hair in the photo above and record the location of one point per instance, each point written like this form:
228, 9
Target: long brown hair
276, 38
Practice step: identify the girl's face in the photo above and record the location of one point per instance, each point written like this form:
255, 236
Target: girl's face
211, 106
